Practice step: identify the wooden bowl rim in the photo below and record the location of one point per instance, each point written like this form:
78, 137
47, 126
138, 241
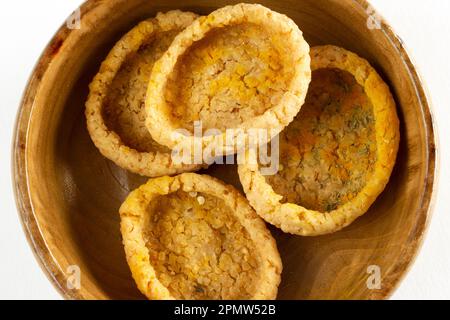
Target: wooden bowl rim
28, 215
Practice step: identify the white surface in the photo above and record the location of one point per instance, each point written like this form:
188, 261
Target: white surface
27, 25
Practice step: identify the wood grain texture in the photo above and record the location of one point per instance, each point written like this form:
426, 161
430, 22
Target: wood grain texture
68, 195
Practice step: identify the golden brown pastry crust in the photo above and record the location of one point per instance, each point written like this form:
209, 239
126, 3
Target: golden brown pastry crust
193, 237
114, 110
328, 152
293, 218
233, 84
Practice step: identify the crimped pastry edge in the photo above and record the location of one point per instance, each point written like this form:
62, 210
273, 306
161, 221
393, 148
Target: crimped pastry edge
132, 214
151, 164
295, 219
274, 119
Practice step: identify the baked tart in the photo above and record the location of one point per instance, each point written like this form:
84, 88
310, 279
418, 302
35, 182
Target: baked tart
242, 68
193, 237
336, 157
115, 108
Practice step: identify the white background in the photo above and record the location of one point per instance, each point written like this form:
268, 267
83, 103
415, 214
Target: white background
27, 25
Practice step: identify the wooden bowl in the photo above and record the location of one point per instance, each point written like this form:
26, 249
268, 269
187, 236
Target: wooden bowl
68, 195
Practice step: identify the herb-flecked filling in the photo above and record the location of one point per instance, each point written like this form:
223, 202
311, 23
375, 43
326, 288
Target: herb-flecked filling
328, 152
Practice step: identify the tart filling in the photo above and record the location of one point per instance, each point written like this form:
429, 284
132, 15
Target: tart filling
115, 109
192, 237
336, 157
242, 67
